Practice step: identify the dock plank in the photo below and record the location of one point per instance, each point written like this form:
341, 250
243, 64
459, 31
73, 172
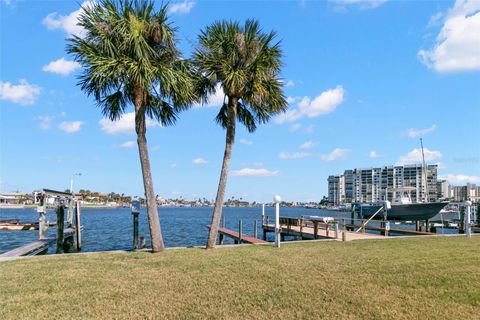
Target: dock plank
235, 235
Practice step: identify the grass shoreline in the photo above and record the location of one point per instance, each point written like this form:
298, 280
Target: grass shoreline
435, 278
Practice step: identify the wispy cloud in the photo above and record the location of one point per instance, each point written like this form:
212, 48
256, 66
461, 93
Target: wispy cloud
70, 126
45, 122
245, 141
296, 155
199, 161
417, 133
248, 172
336, 154
62, 67
181, 7
307, 145
22, 93
362, 4
128, 144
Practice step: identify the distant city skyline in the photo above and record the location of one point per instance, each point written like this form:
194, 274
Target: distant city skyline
364, 80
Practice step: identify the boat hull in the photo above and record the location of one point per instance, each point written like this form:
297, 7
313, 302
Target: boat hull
410, 212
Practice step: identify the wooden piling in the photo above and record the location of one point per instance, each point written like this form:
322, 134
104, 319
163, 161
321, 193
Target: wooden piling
461, 226
255, 235
315, 229
78, 231
135, 230
335, 226
143, 242
362, 226
42, 217
60, 225
240, 231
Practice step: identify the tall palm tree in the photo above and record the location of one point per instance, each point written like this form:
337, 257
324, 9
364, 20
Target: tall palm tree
245, 62
128, 56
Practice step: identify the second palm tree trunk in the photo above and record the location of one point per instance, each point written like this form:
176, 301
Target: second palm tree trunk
152, 211
229, 141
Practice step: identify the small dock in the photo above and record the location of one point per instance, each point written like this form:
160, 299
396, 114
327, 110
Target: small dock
322, 232
36, 247
239, 238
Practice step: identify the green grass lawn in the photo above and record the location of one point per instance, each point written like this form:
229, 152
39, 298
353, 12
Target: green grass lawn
421, 278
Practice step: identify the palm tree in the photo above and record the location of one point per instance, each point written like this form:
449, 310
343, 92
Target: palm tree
128, 56
245, 63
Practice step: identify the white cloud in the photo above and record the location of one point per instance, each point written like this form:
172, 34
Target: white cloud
214, 100
460, 179
7, 2
45, 122
199, 161
308, 144
62, 67
125, 125
289, 83
373, 154
415, 156
22, 93
362, 4
295, 127
70, 126
457, 46
245, 141
128, 144
336, 154
67, 23
181, 7
417, 133
323, 104
296, 155
248, 172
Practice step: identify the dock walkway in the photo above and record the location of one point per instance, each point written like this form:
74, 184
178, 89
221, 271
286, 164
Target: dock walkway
309, 233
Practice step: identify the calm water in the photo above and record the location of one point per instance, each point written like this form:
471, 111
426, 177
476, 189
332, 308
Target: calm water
111, 229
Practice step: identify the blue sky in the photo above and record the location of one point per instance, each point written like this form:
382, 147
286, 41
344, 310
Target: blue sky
365, 80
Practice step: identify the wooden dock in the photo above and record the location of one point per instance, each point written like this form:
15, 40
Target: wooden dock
243, 238
30, 249
34, 248
307, 232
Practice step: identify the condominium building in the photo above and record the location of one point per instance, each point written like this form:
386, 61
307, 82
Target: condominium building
376, 184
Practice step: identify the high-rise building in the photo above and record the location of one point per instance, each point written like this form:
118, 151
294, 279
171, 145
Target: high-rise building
443, 189
376, 184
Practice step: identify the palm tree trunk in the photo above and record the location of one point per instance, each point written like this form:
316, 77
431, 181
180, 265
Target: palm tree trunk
153, 220
229, 141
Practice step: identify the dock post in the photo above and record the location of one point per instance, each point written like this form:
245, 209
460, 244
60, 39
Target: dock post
42, 217
255, 234
135, 231
468, 227
335, 226
78, 232
327, 229
60, 224
461, 227
344, 229
315, 229
143, 242
240, 231
352, 217
220, 236
277, 199
363, 226
427, 225
263, 214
